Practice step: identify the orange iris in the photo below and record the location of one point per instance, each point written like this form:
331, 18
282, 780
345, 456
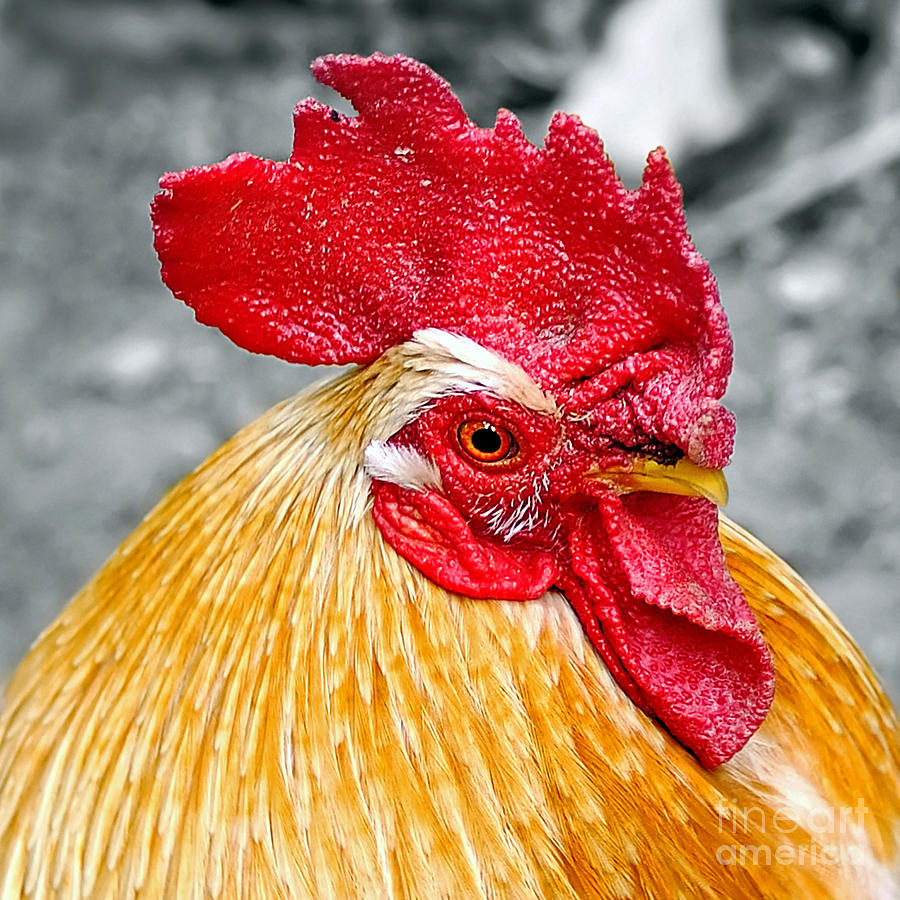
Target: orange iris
486, 442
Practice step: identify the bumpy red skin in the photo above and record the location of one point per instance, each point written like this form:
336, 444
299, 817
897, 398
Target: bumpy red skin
410, 216
426, 528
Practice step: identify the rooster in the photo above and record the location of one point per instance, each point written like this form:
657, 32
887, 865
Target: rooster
464, 621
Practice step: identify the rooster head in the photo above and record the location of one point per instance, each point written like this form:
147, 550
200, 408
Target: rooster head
566, 429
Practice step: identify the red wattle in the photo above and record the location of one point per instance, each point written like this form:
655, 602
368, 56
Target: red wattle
678, 625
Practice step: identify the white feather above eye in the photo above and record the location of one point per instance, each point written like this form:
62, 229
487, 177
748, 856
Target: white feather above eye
463, 365
435, 364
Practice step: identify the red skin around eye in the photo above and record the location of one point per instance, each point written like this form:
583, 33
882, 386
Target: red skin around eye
482, 492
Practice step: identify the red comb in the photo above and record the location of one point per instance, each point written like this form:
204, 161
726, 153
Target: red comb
410, 216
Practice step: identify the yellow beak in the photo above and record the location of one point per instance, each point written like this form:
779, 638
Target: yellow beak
683, 477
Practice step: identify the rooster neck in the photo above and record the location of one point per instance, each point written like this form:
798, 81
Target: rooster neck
257, 697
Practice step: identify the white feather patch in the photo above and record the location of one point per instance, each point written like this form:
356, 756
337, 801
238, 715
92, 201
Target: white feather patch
463, 365
402, 466
839, 829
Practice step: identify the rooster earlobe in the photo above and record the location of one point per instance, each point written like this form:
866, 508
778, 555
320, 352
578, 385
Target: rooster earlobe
429, 532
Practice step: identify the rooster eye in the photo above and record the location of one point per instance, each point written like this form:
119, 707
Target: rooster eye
486, 442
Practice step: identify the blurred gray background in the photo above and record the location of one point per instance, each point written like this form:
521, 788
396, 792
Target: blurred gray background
782, 119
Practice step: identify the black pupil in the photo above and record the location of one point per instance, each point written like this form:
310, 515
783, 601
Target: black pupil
486, 440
